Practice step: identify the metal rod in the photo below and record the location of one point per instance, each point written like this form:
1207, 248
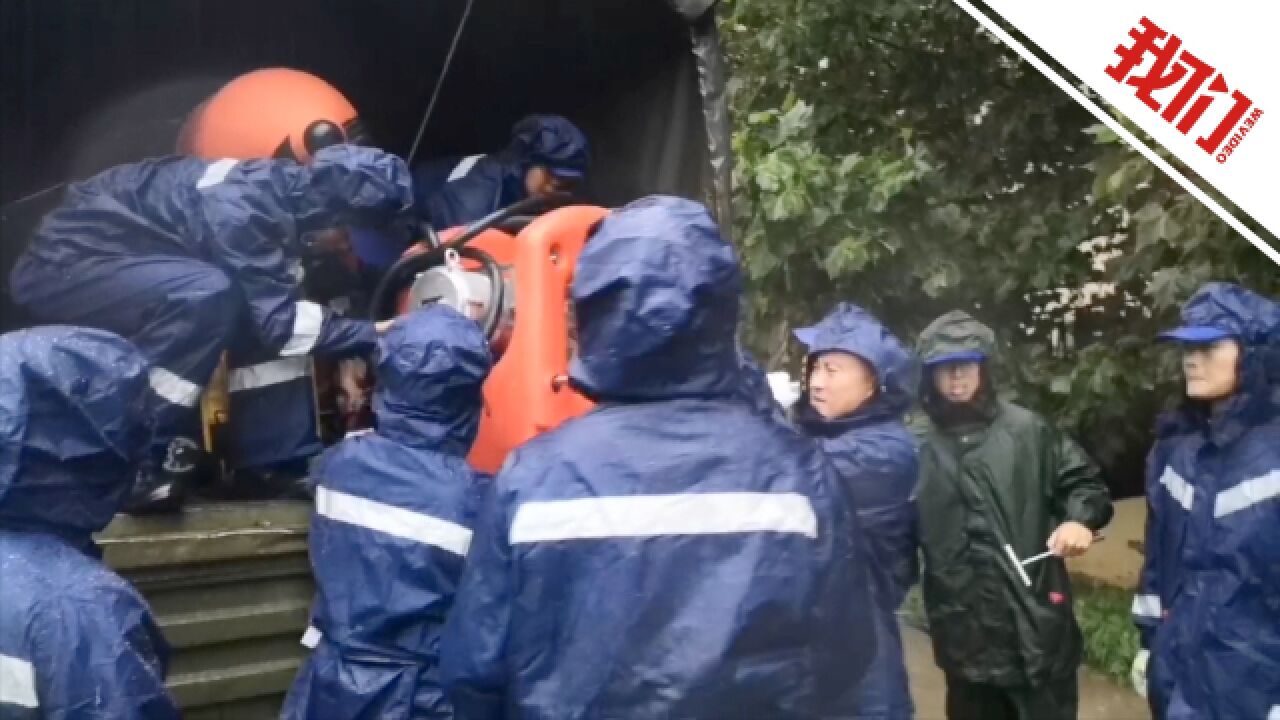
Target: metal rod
1013, 558
1037, 558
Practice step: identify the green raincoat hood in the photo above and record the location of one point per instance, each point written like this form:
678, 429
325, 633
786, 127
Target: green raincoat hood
955, 332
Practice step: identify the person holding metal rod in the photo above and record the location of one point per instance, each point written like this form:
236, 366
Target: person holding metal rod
998, 486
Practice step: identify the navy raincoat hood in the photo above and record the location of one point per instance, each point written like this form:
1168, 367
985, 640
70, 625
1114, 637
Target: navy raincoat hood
1210, 585
76, 640
849, 328
1240, 313
1254, 321
656, 293
73, 422
1244, 315
551, 141
431, 367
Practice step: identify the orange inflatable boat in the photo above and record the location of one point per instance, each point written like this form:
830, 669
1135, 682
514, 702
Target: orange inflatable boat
527, 316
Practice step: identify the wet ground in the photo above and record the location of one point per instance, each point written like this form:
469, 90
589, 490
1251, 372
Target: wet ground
1116, 561
1100, 699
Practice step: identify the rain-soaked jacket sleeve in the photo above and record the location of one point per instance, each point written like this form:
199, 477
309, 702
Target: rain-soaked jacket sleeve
100, 657
842, 603
1148, 610
473, 647
883, 471
466, 199
256, 211
754, 389
1079, 493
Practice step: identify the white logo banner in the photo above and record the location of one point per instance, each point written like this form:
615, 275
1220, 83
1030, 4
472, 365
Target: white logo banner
1199, 79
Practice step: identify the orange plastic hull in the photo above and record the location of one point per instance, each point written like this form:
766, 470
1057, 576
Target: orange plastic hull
527, 393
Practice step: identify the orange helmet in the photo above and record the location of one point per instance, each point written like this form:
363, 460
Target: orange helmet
273, 112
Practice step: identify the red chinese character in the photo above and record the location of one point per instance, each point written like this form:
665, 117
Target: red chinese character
1144, 43
1229, 123
1165, 73
1202, 72
1219, 85
1161, 75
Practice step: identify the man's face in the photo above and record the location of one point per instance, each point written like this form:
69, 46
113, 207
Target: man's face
839, 384
540, 182
958, 382
1211, 369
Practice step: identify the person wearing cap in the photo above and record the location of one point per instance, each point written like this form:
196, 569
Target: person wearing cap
858, 386
546, 154
675, 553
201, 254
1208, 604
391, 529
77, 641
189, 259
999, 485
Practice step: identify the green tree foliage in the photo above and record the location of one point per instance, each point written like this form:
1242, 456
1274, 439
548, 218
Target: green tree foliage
895, 155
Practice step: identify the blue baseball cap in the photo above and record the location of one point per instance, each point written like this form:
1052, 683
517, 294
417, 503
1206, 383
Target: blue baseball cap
1196, 334
807, 336
1222, 310
959, 356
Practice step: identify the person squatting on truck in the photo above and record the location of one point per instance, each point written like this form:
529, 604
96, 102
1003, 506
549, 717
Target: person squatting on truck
546, 155
392, 526
674, 553
76, 640
188, 258
1208, 604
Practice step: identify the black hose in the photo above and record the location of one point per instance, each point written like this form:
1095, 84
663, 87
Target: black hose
396, 277
498, 217
406, 267
497, 289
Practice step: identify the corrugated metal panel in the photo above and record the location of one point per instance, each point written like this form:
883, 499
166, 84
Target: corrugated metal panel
231, 588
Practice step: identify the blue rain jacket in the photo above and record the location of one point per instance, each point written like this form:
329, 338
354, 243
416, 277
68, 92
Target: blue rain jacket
392, 526
1208, 605
875, 457
245, 218
77, 642
753, 388
674, 553
458, 191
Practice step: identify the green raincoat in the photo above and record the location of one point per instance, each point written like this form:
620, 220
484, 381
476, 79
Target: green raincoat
998, 475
